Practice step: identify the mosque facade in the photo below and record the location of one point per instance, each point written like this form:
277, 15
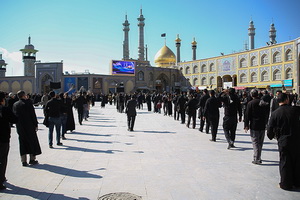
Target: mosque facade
273, 67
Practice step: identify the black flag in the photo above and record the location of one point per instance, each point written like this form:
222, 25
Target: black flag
55, 85
163, 35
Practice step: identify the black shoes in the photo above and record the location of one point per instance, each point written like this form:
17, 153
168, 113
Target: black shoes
33, 162
63, 137
50, 146
24, 164
2, 187
59, 144
212, 140
230, 146
256, 162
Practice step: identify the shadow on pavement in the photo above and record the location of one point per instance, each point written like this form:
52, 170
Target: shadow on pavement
71, 148
13, 189
158, 132
97, 125
66, 171
92, 141
89, 134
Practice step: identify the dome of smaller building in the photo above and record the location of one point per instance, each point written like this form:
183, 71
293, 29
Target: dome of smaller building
165, 57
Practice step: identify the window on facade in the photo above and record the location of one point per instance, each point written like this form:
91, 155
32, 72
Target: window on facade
243, 63
264, 59
203, 81
151, 77
253, 77
212, 67
181, 69
243, 78
288, 55
203, 68
289, 73
264, 76
195, 81
195, 71
276, 75
253, 61
212, 80
276, 57
187, 70
141, 76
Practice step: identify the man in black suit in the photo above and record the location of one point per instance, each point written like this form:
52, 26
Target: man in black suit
7, 117
131, 112
211, 114
201, 106
284, 125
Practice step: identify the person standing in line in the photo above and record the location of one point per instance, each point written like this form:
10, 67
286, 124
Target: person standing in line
274, 102
130, 110
211, 114
70, 126
7, 117
53, 110
174, 100
27, 127
181, 104
201, 106
63, 115
191, 107
284, 125
148, 101
232, 107
79, 101
255, 119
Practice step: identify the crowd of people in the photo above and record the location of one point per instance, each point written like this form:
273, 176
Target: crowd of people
258, 110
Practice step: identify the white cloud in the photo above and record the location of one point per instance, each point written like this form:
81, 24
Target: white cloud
14, 66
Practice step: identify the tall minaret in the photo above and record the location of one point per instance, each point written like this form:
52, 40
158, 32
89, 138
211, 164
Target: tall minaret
194, 47
251, 33
126, 40
29, 58
141, 25
272, 34
178, 44
2, 67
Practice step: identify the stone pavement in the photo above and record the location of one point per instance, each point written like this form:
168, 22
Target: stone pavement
161, 160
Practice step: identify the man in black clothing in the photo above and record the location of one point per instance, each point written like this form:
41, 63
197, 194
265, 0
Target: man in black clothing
211, 114
256, 119
174, 100
191, 106
79, 101
181, 104
201, 106
232, 107
7, 117
131, 112
148, 101
53, 110
27, 127
284, 125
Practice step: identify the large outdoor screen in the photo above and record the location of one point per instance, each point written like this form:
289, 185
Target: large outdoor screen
123, 67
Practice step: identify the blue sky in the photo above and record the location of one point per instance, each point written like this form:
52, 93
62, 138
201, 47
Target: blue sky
87, 34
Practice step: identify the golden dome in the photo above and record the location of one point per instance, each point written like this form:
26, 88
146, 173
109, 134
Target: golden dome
178, 40
165, 57
194, 42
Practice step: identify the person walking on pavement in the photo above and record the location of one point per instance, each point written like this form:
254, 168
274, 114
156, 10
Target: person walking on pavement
232, 107
79, 101
255, 119
27, 127
284, 125
181, 104
53, 110
191, 108
201, 115
211, 114
7, 117
130, 110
